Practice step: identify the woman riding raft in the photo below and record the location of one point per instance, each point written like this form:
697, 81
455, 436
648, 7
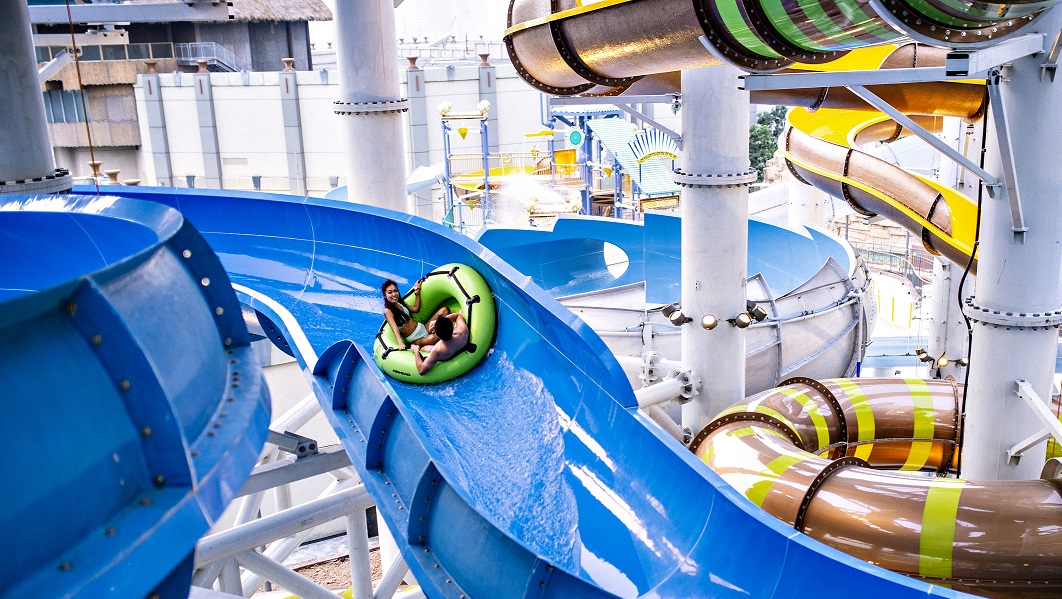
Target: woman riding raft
451, 341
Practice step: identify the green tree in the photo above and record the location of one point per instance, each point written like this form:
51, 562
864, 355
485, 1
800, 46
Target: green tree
763, 137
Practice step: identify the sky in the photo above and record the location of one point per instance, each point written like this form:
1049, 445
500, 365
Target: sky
433, 19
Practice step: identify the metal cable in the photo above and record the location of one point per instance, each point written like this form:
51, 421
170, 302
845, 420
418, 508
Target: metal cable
84, 105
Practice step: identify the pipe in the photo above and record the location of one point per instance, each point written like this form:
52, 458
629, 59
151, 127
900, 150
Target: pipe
669, 389
282, 524
783, 451
659, 416
283, 576
392, 577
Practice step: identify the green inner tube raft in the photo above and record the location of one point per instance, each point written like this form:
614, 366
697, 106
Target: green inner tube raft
461, 289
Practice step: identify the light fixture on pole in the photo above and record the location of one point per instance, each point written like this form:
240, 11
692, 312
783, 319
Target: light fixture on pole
674, 313
756, 311
709, 322
741, 321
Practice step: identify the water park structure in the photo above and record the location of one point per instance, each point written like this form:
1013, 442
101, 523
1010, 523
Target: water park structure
538, 473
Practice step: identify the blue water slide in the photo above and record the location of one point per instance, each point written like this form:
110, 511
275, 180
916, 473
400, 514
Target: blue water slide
132, 404
532, 476
569, 257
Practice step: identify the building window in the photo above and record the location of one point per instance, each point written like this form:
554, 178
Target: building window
63, 106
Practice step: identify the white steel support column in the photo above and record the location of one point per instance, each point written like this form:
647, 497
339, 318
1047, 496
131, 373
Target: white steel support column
24, 142
370, 103
714, 174
948, 338
1018, 275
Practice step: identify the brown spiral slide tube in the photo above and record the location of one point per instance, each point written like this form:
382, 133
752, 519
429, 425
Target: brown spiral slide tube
854, 463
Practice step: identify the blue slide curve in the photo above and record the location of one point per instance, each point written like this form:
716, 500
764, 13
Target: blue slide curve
129, 424
568, 257
532, 476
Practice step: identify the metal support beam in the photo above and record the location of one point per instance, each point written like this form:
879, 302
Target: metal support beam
358, 550
392, 577
595, 101
189, 10
841, 78
958, 65
265, 530
296, 445
52, 67
659, 416
679, 386
627, 108
1015, 453
1006, 152
964, 63
283, 576
871, 98
1050, 64
283, 472
1043, 413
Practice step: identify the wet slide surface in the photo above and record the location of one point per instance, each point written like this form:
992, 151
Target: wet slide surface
539, 477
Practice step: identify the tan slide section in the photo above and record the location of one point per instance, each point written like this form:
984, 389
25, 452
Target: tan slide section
821, 148
817, 455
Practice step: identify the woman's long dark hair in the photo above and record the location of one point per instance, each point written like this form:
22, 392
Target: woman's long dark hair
396, 311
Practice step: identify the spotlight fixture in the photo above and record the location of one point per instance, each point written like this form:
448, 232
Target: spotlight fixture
942, 362
923, 355
709, 322
756, 311
962, 362
741, 321
674, 313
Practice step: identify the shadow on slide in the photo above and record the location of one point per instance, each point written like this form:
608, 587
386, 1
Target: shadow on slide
534, 475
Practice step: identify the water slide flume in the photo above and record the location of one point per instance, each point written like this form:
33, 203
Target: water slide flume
538, 458
130, 394
814, 454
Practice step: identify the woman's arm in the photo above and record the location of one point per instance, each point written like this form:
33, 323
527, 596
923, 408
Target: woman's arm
394, 327
416, 303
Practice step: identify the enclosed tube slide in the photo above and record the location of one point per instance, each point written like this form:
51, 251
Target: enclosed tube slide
538, 458
820, 148
812, 453
132, 402
566, 47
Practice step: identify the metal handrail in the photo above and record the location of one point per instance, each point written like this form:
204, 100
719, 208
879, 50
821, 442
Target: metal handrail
897, 260
190, 53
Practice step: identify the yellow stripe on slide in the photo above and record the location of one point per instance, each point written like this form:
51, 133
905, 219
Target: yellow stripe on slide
822, 430
757, 493
924, 424
864, 416
585, 7
938, 527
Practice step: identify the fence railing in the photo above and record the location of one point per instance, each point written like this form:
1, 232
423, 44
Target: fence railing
213, 53
98, 53
916, 268
453, 51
